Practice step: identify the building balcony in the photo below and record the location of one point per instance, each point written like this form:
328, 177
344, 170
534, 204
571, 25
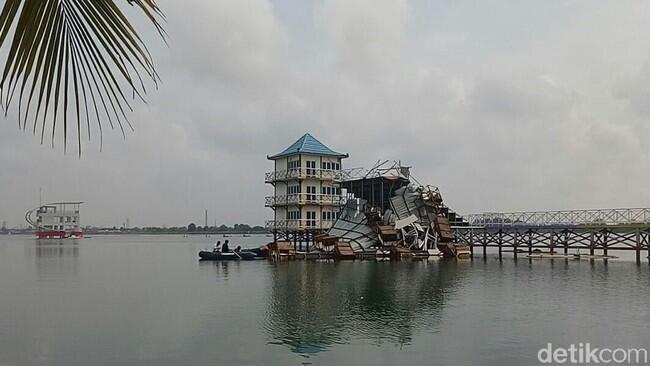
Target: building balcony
304, 173
301, 224
305, 199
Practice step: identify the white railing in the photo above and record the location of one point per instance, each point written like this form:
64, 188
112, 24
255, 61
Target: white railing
301, 224
615, 216
304, 199
302, 173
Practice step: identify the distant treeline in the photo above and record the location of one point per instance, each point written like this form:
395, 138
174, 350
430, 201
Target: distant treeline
237, 228
191, 228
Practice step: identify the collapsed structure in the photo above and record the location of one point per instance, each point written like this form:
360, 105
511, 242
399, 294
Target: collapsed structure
388, 212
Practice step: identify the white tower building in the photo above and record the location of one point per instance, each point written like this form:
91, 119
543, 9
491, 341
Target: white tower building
307, 192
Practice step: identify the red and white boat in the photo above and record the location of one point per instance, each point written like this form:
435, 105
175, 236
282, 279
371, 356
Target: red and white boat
59, 220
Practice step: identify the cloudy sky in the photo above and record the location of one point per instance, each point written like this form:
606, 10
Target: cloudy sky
504, 105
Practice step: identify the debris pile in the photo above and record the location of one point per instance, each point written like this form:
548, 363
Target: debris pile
415, 223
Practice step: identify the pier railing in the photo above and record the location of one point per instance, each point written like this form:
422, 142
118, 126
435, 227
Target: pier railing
301, 224
304, 199
616, 216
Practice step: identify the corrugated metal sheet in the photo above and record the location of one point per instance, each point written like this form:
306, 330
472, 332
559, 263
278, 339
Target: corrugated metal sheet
408, 201
405, 222
352, 226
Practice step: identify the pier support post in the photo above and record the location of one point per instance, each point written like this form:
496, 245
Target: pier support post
552, 237
514, 251
500, 244
647, 243
300, 240
484, 244
566, 243
592, 243
471, 244
295, 241
530, 242
638, 247
605, 243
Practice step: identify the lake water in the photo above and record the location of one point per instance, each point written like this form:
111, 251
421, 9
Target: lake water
147, 300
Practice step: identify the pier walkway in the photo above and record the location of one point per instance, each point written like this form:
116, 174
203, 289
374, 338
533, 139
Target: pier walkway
595, 231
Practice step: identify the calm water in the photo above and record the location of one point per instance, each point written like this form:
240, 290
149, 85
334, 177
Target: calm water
146, 300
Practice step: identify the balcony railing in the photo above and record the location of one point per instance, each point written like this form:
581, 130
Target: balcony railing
305, 199
303, 173
301, 224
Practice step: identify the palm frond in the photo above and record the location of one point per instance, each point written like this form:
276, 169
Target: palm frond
74, 57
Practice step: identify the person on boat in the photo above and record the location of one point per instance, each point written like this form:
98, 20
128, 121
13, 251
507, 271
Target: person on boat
217, 246
238, 249
224, 247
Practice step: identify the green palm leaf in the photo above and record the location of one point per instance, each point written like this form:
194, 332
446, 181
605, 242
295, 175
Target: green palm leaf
73, 57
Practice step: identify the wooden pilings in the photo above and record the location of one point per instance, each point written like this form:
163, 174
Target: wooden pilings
301, 240
550, 240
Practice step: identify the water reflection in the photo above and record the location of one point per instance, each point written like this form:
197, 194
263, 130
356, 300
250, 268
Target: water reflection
221, 269
315, 305
56, 258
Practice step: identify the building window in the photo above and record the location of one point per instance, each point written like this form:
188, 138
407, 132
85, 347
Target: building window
294, 215
311, 218
293, 166
311, 193
311, 167
294, 189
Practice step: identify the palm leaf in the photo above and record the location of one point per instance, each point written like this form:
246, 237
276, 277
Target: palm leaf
80, 58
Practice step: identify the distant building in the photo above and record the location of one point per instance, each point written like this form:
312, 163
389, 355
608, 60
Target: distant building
56, 220
307, 195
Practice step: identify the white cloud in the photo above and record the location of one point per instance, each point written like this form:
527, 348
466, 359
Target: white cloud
532, 105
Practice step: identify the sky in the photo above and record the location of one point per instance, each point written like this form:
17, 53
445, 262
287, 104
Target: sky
504, 105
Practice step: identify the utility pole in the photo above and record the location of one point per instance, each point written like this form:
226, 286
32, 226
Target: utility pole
206, 218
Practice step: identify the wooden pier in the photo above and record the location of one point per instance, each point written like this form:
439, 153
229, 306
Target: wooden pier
528, 240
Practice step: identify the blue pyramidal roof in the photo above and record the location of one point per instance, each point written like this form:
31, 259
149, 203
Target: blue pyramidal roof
308, 144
